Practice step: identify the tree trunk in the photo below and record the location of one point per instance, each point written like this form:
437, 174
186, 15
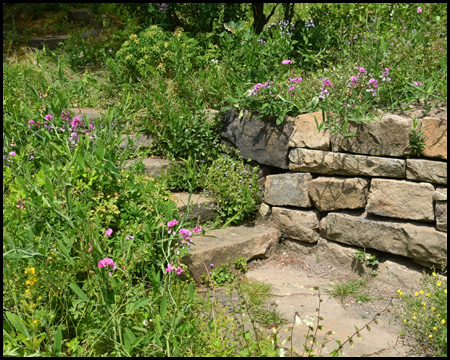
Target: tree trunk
259, 19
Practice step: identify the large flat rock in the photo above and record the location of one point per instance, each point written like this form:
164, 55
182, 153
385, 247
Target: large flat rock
330, 163
50, 41
427, 170
258, 139
306, 134
198, 207
225, 245
422, 243
288, 189
301, 225
435, 132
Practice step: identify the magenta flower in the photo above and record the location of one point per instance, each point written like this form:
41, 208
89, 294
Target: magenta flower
12, 153
197, 230
418, 83
373, 82
172, 223
178, 271
31, 122
292, 88
169, 268
49, 117
108, 232
419, 10
107, 262
286, 62
185, 232
296, 80
362, 70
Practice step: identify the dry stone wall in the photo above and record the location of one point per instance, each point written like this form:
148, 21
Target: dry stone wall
365, 191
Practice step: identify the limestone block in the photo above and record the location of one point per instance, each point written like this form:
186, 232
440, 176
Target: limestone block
258, 139
330, 163
297, 224
305, 133
440, 208
401, 199
424, 244
288, 189
388, 136
332, 193
426, 170
138, 141
435, 132
225, 245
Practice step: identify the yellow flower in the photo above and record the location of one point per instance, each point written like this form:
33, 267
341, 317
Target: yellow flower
433, 308
416, 293
445, 291
421, 292
424, 304
435, 328
428, 294
414, 317
439, 283
27, 291
438, 315
434, 274
443, 321
405, 320
430, 336
35, 322
399, 292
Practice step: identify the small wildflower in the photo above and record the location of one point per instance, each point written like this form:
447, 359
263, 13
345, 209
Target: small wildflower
439, 283
286, 62
108, 232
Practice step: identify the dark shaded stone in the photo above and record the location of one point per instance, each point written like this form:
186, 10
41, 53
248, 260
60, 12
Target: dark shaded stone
257, 138
51, 41
80, 16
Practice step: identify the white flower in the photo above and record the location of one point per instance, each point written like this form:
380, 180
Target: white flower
309, 321
298, 321
145, 323
281, 352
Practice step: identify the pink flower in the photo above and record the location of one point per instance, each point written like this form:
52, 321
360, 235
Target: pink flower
31, 122
296, 80
49, 117
178, 271
286, 62
172, 223
185, 232
90, 249
197, 230
362, 70
107, 262
292, 88
419, 10
373, 82
169, 268
418, 83
108, 232
12, 153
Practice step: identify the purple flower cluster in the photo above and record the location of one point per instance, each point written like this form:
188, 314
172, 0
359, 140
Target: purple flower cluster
107, 262
323, 90
258, 87
185, 233
177, 270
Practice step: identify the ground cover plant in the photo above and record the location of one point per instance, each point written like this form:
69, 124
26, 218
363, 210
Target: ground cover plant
92, 252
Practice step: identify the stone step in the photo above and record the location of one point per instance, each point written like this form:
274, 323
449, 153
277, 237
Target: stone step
88, 114
154, 167
50, 41
200, 208
223, 246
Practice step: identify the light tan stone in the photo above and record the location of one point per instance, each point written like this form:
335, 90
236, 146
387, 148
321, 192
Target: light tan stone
440, 208
427, 170
331, 193
424, 244
297, 224
306, 134
435, 132
386, 137
330, 163
401, 199
288, 189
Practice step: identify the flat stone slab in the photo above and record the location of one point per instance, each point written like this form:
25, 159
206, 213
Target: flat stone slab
200, 208
292, 292
225, 245
306, 134
422, 243
330, 163
301, 225
153, 167
138, 141
51, 41
427, 170
288, 189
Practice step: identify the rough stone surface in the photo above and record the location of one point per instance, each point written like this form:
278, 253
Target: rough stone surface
435, 132
288, 189
297, 224
427, 170
422, 243
440, 209
138, 141
88, 114
50, 41
401, 199
392, 270
386, 137
265, 210
80, 16
330, 163
305, 133
332, 193
258, 139
153, 167
224, 245
199, 208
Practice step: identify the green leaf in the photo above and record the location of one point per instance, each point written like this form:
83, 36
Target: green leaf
138, 304
58, 341
191, 292
129, 336
163, 307
16, 322
76, 289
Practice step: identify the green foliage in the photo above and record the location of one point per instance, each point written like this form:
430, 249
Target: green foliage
368, 259
234, 187
342, 289
423, 314
416, 140
240, 264
219, 276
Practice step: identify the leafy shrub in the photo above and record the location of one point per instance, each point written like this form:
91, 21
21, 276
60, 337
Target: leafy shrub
234, 186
